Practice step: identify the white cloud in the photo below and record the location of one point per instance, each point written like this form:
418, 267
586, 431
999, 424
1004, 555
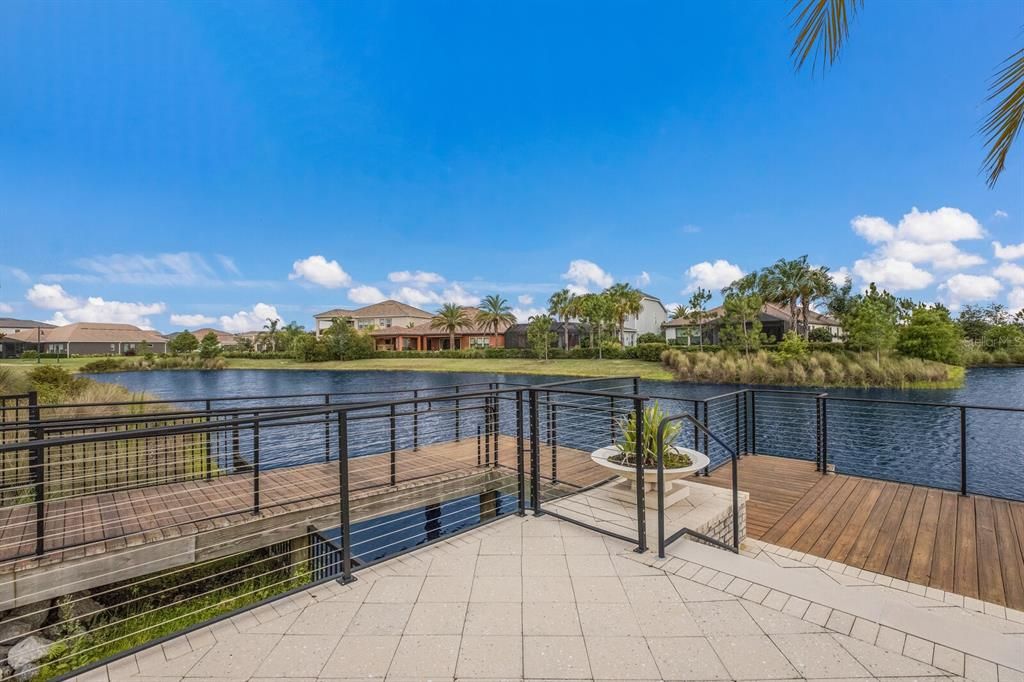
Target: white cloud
456, 294
365, 295
943, 225
712, 276
1008, 252
892, 274
525, 299
944, 255
1015, 299
192, 321
419, 277
1011, 272
523, 315
1000, 214
96, 309
643, 279
228, 263
582, 274
173, 269
840, 275
6, 307
873, 228
320, 271
963, 288
50, 297
416, 297
249, 320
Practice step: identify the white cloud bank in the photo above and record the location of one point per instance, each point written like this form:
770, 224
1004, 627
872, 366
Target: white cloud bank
70, 308
6, 307
418, 277
321, 272
1008, 252
1010, 272
584, 274
249, 320
1015, 299
712, 276
962, 288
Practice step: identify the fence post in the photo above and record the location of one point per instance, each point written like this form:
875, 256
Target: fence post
415, 421
963, 450
457, 425
36, 463
824, 435
737, 415
707, 452
753, 422
554, 443
494, 423
487, 431
394, 445
535, 454
696, 431
641, 484
520, 455
343, 499
256, 464
209, 464
479, 448
327, 430
817, 433
611, 419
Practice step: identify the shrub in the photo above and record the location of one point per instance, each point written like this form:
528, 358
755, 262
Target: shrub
651, 338
13, 381
104, 365
792, 347
649, 352
820, 335
54, 384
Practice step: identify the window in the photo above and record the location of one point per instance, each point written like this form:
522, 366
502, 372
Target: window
113, 347
479, 342
384, 322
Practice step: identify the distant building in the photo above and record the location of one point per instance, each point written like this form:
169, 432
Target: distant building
10, 346
774, 320
10, 325
225, 339
424, 337
652, 316
93, 338
381, 315
517, 336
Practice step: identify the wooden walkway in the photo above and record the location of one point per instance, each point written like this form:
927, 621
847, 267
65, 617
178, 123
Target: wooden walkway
972, 546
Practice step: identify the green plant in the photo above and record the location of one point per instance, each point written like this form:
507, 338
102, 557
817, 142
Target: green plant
930, 335
209, 347
102, 365
626, 443
792, 347
495, 313
183, 343
450, 318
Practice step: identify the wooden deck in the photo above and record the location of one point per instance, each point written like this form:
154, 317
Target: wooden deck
972, 546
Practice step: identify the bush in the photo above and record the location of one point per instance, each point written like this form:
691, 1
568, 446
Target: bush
651, 338
104, 365
649, 352
820, 335
792, 347
13, 381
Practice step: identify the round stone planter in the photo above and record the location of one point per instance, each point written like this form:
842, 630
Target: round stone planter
698, 461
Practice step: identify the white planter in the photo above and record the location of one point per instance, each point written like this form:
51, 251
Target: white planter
698, 461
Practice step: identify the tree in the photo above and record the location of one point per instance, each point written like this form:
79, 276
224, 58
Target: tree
872, 322
596, 311
539, 335
822, 28
814, 286
1003, 337
209, 347
183, 343
271, 336
973, 321
560, 305
782, 283
625, 301
741, 324
450, 318
342, 341
840, 300
495, 312
678, 313
292, 331
930, 335
698, 300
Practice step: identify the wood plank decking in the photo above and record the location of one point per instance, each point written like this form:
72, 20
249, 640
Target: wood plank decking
972, 546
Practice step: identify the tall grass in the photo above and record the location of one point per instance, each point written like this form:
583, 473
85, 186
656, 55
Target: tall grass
815, 369
153, 362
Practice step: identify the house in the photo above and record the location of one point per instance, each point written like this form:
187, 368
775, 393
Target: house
652, 316
375, 316
225, 339
775, 322
10, 325
93, 338
516, 336
424, 337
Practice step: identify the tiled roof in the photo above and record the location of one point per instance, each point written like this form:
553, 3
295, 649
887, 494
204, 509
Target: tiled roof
6, 322
424, 328
93, 332
389, 308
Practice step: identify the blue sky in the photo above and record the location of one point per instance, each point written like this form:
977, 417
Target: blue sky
176, 164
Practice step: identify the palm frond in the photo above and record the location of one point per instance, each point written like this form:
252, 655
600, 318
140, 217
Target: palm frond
822, 27
1004, 122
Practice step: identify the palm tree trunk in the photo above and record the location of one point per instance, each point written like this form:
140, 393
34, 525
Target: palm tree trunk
565, 330
805, 311
451, 340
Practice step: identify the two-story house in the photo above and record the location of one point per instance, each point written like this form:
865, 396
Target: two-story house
383, 315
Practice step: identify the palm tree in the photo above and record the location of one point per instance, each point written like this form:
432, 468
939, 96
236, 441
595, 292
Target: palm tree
822, 27
782, 282
560, 305
495, 312
450, 318
678, 313
271, 327
625, 301
814, 287
698, 300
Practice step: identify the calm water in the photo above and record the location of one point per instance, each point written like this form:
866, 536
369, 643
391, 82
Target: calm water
908, 443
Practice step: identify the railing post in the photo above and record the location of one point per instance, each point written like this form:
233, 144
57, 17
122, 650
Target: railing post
415, 422
256, 464
611, 419
520, 455
494, 424
824, 435
458, 435
343, 498
535, 454
394, 446
661, 487
707, 452
209, 463
36, 464
963, 450
554, 443
737, 415
817, 433
479, 447
753, 422
735, 503
696, 431
327, 430
487, 431
641, 484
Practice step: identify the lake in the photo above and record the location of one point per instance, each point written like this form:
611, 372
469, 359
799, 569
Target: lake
907, 443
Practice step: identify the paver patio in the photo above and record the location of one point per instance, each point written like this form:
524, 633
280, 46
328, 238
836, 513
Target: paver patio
536, 598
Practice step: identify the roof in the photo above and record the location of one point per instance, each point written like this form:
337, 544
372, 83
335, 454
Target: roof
24, 324
389, 308
424, 328
770, 311
93, 332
